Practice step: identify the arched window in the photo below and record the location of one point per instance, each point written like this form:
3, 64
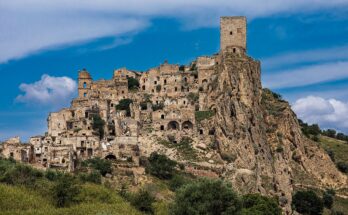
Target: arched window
85, 95
143, 87
84, 84
165, 81
162, 127
162, 116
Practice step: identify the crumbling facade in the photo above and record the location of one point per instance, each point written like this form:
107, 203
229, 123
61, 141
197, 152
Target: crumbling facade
163, 105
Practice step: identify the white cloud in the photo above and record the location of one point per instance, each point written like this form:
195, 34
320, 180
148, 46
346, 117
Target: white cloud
306, 75
49, 91
328, 113
309, 56
33, 25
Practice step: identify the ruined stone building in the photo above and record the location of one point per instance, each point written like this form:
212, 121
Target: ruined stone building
215, 104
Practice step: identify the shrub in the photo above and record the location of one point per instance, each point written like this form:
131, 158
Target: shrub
193, 97
52, 175
206, 197
65, 191
93, 177
328, 198
307, 202
123, 104
342, 166
177, 182
102, 165
143, 201
21, 175
260, 205
158, 106
160, 166
158, 88
98, 125
201, 115
133, 83
331, 154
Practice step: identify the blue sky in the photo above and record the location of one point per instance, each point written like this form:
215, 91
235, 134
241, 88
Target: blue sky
303, 47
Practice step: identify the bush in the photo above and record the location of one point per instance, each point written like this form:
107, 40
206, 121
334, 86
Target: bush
143, 201
98, 125
342, 166
331, 154
328, 198
123, 104
202, 115
206, 197
52, 175
102, 165
307, 202
65, 191
93, 177
158, 106
133, 83
260, 205
160, 166
158, 88
177, 182
21, 174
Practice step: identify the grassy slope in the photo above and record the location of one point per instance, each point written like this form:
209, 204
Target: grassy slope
340, 148
95, 199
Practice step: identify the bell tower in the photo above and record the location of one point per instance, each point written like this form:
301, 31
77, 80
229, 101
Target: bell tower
84, 85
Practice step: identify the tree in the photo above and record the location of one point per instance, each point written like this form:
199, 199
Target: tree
330, 133
342, 166
160, 166
65, 191
98, 125
123, 104
143, 201
210, 197
102, 165
307, 202
328, 198
133, 83
261, 205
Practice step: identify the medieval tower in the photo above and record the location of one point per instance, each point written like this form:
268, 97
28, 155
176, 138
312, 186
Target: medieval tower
233, 33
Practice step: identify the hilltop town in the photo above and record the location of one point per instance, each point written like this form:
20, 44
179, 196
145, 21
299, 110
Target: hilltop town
212, 116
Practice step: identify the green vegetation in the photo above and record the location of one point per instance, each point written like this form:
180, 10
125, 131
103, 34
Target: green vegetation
124, 104
101, 165
337, 150
260, 205
98, 125
143, 201
25, 191
206, 197
65, 191
133, 83
158, 106
202, 115
307, 202
158, 88
193, 97
160, 166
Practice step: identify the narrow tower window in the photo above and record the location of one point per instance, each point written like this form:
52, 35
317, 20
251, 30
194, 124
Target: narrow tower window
84, 84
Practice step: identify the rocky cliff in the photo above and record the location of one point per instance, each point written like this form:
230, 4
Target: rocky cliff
257, 136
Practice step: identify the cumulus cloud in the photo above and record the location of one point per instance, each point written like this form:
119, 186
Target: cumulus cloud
49, 91
328, 113
307, 75
33, 25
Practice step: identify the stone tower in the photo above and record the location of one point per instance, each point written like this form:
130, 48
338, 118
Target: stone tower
233, 33
85, 81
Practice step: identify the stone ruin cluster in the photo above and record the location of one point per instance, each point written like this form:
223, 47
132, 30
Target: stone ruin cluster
165, 104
